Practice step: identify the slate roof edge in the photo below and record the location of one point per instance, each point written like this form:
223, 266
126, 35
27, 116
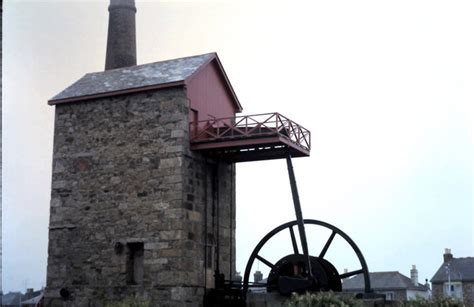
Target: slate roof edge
457, 274
53, 101
227, 81
436, 281
213, 57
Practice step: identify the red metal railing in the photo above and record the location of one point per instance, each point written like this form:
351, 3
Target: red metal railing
250, 126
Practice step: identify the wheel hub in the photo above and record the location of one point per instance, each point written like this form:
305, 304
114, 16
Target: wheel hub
290, 274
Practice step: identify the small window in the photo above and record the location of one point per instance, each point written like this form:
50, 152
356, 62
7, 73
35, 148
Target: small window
135, 263
209, 256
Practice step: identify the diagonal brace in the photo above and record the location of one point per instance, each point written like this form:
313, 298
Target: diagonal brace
299, 214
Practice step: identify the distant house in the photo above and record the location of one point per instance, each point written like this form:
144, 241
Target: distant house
11, 299
36, 301
394, 285
455, 278
30, 299
259, 285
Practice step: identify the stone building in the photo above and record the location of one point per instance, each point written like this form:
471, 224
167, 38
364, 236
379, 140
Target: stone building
132, 207
135, 213
455, 278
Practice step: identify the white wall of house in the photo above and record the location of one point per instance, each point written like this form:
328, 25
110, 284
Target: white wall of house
456, 289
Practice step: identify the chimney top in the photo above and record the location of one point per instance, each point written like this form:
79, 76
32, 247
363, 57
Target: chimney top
127, 4
257, 276
414, 275
447, 255
121, 40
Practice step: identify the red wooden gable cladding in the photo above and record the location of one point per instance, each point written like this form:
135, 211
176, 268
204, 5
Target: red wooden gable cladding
250, 138
209, 95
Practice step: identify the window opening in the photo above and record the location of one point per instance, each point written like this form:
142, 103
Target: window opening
135, 263
209, 256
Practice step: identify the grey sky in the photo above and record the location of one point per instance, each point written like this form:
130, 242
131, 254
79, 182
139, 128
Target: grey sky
386, 88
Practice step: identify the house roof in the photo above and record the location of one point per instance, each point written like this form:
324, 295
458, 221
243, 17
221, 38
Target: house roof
11, 298
33, 300
460, 269
382, 281
140, 78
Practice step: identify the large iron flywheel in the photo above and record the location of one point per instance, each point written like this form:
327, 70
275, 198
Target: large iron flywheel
293, 273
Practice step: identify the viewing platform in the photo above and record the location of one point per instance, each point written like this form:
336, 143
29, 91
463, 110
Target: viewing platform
250, 138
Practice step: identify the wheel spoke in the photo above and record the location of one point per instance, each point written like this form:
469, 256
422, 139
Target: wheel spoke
265, 261
352, 273
326, 246
293, 241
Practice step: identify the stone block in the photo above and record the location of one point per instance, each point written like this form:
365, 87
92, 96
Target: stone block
177, 133
56, 202
170, 252
171, 163
156, 261
171, 235
194, 216
161, 206
180, 293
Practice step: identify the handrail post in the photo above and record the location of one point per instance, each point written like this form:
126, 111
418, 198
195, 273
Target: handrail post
277, 120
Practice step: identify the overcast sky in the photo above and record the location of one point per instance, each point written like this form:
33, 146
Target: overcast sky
386, 88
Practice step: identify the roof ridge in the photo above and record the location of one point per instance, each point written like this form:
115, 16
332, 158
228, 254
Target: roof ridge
172, 72
150, 63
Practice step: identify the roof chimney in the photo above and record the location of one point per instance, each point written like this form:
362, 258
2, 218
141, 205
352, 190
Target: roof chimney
427, 284
447, 255
414, 275
257, 276
237, 277
121, 42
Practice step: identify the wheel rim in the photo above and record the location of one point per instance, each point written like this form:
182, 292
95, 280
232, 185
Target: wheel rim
334, 231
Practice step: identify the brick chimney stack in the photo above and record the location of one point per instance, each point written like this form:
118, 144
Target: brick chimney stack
414, 275
257, 276
447, 255
29, 293
121, 41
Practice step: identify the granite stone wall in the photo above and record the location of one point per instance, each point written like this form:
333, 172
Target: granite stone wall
124, 176
437, 291
468, 293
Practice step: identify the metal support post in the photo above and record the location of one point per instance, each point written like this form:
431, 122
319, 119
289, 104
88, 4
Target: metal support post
299, 214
